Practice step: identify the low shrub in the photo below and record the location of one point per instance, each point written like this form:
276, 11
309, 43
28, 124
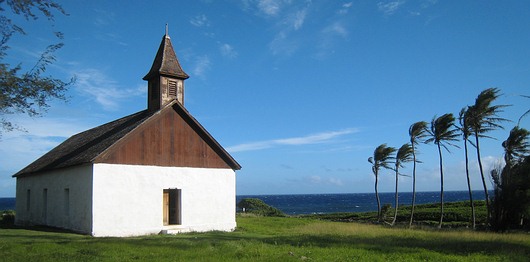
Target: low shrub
258, 207
7, 217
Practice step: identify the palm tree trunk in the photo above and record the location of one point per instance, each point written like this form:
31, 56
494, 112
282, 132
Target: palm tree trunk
441, 187
469, 186
483, 179
378, 202
413, 186
396, 199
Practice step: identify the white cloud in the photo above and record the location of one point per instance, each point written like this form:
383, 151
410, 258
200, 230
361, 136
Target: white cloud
298, 18
336, 29
324, 137
345, 8
200, 21
103, 89
335, 181
20, 148
269, 7
283, 42
325, 181
103, 17
389, 8
428, 3
328, 38
228, 51
202, 64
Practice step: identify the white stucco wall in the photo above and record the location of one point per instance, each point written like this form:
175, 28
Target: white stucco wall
128, 200
68, 202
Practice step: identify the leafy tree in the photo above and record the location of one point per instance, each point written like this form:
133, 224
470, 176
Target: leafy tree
512, 184
382, 158
466, 132
483, 118
417, 133
517, 146
443, 132
403, 155
27, 92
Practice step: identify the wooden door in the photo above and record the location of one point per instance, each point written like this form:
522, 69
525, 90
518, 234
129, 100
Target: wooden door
166, 208
171, 207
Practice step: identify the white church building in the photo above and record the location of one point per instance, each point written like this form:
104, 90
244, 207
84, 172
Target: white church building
155, 171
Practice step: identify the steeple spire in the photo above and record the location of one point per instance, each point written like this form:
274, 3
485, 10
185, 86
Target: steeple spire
166, 77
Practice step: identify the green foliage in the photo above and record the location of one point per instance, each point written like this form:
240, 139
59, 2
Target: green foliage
483, 117
258, 207
385, 211
511, 205
27, 92
7, 217
456, 214
443, 131
382, 158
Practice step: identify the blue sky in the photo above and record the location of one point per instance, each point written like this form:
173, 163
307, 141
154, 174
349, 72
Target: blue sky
299, 92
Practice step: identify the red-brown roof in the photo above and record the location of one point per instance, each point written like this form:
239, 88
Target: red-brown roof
92, 146
166, 62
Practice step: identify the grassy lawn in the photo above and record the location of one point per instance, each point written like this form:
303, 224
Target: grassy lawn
272, 239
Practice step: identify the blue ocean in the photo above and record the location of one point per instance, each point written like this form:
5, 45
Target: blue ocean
332, 203
357, 202
7, 203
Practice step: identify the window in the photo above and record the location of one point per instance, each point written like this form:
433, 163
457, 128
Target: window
66, 201
44, 204
171, 206
171, 88
28, 199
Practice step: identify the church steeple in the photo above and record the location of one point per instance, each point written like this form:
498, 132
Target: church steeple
166, 77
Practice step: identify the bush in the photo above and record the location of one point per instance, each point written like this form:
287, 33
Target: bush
258, 207
7, 217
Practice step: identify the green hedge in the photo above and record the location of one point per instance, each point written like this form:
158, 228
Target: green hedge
258, 207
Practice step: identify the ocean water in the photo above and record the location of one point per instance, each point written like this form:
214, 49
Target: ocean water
7, 203
357, 202
332, 203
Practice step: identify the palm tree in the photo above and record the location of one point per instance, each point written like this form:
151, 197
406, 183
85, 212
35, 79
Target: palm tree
466, 132
443, 132
484, 118
404, 154
417, 134
524, 114
382, 158
510, 206
516, 146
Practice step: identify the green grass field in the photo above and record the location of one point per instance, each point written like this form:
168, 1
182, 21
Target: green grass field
272, 239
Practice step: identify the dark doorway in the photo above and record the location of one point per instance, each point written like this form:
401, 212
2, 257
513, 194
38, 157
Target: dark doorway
171, 204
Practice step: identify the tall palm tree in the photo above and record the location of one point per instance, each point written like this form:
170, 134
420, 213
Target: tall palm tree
484, 118
382, 159
403, 155
443, 132
463, 118
417, 134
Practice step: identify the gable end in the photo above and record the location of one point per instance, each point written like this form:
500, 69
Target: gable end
171, 137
